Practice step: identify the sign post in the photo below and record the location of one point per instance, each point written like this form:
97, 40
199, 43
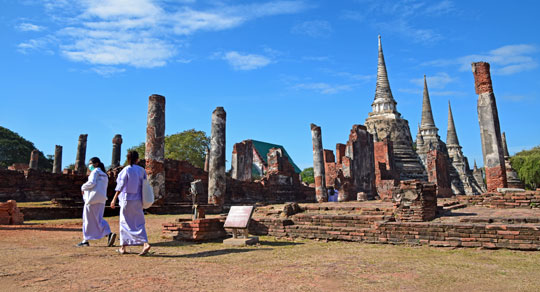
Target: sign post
238, 220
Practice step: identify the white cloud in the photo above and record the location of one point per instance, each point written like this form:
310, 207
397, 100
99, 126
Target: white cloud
325, 88
315, 28
506, 60
41, 44
107, 71
439, 80
144, 33
25, 26
245, 62
399, 17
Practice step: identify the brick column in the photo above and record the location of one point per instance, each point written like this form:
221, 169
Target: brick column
216, 166
242, 161
34, 157
490, 130
57, 165
116, 150
318, 164
155, 145
80, 163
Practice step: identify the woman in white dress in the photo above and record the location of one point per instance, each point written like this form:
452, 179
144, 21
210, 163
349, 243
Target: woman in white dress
95, 195
129, 192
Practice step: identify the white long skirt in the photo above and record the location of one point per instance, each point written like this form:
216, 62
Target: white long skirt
94, 226
132, 225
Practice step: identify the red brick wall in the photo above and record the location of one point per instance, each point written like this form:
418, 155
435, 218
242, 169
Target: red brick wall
495, 178
382, 229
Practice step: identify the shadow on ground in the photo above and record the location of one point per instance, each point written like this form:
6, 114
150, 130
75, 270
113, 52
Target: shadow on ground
40, 228
209, 253
279, 243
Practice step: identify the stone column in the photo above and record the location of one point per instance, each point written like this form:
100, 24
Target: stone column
34, 157
490, 130
116, 150
318, 164
155, 145
57, 165
80, 161
216, 166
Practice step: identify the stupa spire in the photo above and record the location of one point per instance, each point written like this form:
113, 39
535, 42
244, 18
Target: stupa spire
384, 100
451, 134
427, 114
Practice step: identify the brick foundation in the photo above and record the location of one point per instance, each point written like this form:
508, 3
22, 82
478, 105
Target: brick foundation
382, 229
528, 199
195, 230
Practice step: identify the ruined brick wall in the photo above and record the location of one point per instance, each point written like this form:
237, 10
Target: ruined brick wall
360, 150
279, 187
178, 178
330, 167
529, 199
386, 175
36, 185
381, 229
438, 172
242, 160
416, 201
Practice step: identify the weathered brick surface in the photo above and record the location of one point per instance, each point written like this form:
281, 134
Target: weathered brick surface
386, 175
34, 185
529, 199
194, 230
382, 229
438, 172
10, 214
416, 201
495, 178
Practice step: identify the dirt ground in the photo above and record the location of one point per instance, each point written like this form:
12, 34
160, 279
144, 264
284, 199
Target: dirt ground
41, 256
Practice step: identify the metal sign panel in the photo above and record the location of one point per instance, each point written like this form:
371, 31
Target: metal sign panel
239, 217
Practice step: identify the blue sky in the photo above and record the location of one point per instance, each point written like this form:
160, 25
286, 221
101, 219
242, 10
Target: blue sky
88, 66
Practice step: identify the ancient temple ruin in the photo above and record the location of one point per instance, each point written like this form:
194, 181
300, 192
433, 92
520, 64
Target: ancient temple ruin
350, 171
384, 121
428, 134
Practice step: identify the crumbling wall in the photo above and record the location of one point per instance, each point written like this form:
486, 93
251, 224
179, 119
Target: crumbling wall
438, 172
34, 185
242, 160
415, 201
386, 174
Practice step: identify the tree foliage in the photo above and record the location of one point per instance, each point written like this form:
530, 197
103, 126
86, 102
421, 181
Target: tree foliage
16, 149
527, 164
307, 175
189, 145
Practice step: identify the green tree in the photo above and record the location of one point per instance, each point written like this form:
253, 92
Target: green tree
307, 175
189, 145
527, 164
16, 149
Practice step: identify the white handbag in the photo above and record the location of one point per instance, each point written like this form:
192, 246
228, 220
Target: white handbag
147, 194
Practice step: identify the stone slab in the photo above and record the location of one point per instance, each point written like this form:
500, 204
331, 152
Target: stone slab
241, 241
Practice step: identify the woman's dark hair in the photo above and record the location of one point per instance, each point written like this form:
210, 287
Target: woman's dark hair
96, 160
132, 157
